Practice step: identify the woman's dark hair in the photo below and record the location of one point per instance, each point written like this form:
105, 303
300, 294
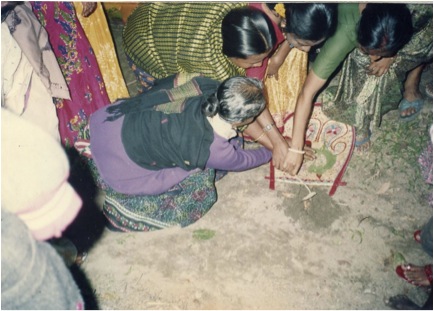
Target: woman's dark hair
236, 100
246, 32
311, 21
384, 26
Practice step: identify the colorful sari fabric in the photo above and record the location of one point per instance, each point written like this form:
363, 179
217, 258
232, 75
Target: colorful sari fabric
97, 31
360, 98
78, 64
181, 205
161, 39
282, 93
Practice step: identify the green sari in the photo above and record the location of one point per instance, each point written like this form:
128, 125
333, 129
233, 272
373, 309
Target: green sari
360, 99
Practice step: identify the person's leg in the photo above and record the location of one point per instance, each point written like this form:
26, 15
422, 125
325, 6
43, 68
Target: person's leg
412, 102
416, 275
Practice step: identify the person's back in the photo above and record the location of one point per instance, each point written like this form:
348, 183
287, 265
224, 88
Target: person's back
37, 204
150, 31
33, 275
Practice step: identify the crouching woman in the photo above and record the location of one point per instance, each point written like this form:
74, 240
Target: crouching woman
155, 155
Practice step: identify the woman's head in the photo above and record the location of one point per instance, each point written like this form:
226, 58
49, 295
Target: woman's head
248, 37
237, 100
308, 24
384, 28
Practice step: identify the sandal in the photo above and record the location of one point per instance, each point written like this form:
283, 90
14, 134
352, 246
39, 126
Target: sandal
405, 104
365, 140
400, 270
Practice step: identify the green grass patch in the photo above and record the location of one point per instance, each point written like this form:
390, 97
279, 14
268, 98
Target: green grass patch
203, 234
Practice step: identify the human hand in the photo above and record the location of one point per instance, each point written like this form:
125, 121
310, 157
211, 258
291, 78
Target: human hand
379, 65
279, 154
88, 8
293, 162
309, 152
273, 68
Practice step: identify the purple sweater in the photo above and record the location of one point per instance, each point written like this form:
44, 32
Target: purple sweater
125, 176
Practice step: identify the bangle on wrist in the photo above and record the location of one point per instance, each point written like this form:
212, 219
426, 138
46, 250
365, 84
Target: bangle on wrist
297, 151
256, 140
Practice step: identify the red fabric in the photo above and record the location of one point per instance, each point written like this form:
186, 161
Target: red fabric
78, 64
259, 72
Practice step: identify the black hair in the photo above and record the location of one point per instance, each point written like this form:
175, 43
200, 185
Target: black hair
384, 26
247, 31
236, 100
8, 7
311, 21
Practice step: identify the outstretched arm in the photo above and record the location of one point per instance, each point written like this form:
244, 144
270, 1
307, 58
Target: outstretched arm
264, 131
277, 59
312, 85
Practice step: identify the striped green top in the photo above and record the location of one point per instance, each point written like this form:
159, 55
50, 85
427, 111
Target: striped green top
167, 38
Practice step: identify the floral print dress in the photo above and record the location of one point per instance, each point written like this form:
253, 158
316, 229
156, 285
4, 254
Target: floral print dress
78, 64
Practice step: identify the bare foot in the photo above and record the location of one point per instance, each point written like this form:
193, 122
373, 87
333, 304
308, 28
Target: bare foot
416, 275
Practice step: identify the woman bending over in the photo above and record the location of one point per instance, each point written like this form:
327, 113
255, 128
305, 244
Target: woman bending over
155, 154
382, 45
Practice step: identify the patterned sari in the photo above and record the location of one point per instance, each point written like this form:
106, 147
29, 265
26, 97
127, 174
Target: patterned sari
97, 31
360, 98
181, 205
78, 64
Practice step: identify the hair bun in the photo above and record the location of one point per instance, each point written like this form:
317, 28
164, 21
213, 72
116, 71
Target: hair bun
210, 107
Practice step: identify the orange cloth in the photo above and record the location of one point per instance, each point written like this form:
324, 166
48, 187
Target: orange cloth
97, 31
282, 94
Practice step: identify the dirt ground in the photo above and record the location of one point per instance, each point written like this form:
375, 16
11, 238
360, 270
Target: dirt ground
261, 249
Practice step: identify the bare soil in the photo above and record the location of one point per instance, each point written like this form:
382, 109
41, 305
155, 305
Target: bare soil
263, 249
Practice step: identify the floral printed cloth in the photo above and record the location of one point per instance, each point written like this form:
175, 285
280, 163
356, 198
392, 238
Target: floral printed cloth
78, 64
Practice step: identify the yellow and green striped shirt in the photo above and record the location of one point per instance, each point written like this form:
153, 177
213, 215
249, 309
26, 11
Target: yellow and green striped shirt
168, 38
